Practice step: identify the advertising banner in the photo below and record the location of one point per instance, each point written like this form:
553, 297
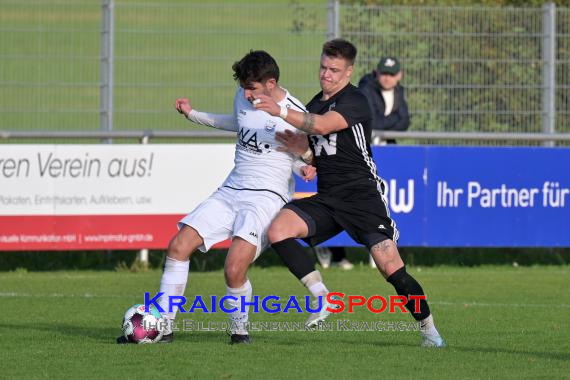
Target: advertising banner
70, 197
103, 196
474, 196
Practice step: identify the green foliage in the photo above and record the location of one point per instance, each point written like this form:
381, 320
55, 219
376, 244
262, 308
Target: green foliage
465, 69
127, 261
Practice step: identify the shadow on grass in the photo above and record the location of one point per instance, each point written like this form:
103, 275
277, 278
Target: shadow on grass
563, 356
108, 335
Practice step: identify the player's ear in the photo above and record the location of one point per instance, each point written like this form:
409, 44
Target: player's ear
271, 84
349, 71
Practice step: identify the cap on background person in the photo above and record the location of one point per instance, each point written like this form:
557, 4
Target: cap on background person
388, 65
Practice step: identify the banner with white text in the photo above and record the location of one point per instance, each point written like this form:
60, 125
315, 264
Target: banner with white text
474, 196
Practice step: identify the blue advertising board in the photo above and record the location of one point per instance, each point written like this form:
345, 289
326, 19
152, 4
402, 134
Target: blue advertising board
474, 196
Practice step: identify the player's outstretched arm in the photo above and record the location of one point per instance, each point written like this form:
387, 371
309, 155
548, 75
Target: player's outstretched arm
219, 121
307, 172
309, 123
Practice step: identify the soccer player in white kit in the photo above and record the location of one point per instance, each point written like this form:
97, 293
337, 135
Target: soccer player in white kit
260, 183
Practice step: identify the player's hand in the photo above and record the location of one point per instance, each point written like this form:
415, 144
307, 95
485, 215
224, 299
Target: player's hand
309, 172
265, 103
183, 106
293, 142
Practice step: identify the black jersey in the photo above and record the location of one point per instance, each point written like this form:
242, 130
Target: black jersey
344, 159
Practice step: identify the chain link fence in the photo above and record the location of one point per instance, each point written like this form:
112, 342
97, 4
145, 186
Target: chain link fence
167, 51
49, 65
563, 70
466, 69
52, 55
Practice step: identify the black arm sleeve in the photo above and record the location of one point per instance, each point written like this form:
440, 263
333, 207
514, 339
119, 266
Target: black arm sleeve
354, 107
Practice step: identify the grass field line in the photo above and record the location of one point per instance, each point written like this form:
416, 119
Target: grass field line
54, 277
58, 295
443, 303
483, 304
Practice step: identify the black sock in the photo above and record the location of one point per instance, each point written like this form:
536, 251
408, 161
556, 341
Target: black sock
294, 256
406, 285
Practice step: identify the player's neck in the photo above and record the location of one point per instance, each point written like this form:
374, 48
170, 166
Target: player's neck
332, 92
278, 94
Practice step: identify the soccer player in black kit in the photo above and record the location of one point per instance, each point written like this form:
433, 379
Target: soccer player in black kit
350, 194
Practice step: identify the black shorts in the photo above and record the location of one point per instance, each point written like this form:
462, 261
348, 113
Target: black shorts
367, 220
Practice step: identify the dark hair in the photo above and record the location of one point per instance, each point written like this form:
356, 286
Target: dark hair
340, 48
256, 66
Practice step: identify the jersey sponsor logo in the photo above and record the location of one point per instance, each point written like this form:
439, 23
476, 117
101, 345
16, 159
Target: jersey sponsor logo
253, 234
381, 227
328, 143
332, 106
270, 125
247, 139
242, 112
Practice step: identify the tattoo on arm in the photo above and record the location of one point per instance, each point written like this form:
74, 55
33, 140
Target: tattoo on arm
308, 123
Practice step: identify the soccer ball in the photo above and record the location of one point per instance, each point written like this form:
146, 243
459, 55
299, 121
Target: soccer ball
142, 327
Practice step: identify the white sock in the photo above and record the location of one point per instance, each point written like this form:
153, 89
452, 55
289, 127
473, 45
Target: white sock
238, 320
428, 327
173, 283
318, 289
314, 282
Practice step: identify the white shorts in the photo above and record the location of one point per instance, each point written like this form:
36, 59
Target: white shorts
228, 213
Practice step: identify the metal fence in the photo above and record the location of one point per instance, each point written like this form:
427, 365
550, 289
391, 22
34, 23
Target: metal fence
563, 70
91, 65
471, 69
56, 58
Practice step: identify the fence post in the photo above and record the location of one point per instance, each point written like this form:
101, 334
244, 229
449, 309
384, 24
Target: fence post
333, 19
143, 253
548, 70
106, 86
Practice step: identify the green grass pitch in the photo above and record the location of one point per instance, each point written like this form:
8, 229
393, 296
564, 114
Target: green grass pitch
499, 323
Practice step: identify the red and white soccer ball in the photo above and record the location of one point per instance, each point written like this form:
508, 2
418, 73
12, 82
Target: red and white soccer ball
143, 327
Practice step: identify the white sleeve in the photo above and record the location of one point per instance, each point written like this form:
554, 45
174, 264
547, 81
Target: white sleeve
297, 165
214, 120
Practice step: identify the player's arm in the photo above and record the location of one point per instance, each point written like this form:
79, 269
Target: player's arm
309, 123
214, 120
307, 172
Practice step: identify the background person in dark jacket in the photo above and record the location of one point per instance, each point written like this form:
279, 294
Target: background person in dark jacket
386, 97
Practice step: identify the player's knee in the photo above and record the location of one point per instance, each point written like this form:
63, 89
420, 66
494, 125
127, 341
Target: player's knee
235, 275
179, 249
277, 232
387, 257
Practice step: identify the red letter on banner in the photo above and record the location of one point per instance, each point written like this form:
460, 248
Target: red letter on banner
417, 302
376, 297
394, 303
331, 300
355, 301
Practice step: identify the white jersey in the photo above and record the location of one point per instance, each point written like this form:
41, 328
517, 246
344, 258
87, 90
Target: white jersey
258, 164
